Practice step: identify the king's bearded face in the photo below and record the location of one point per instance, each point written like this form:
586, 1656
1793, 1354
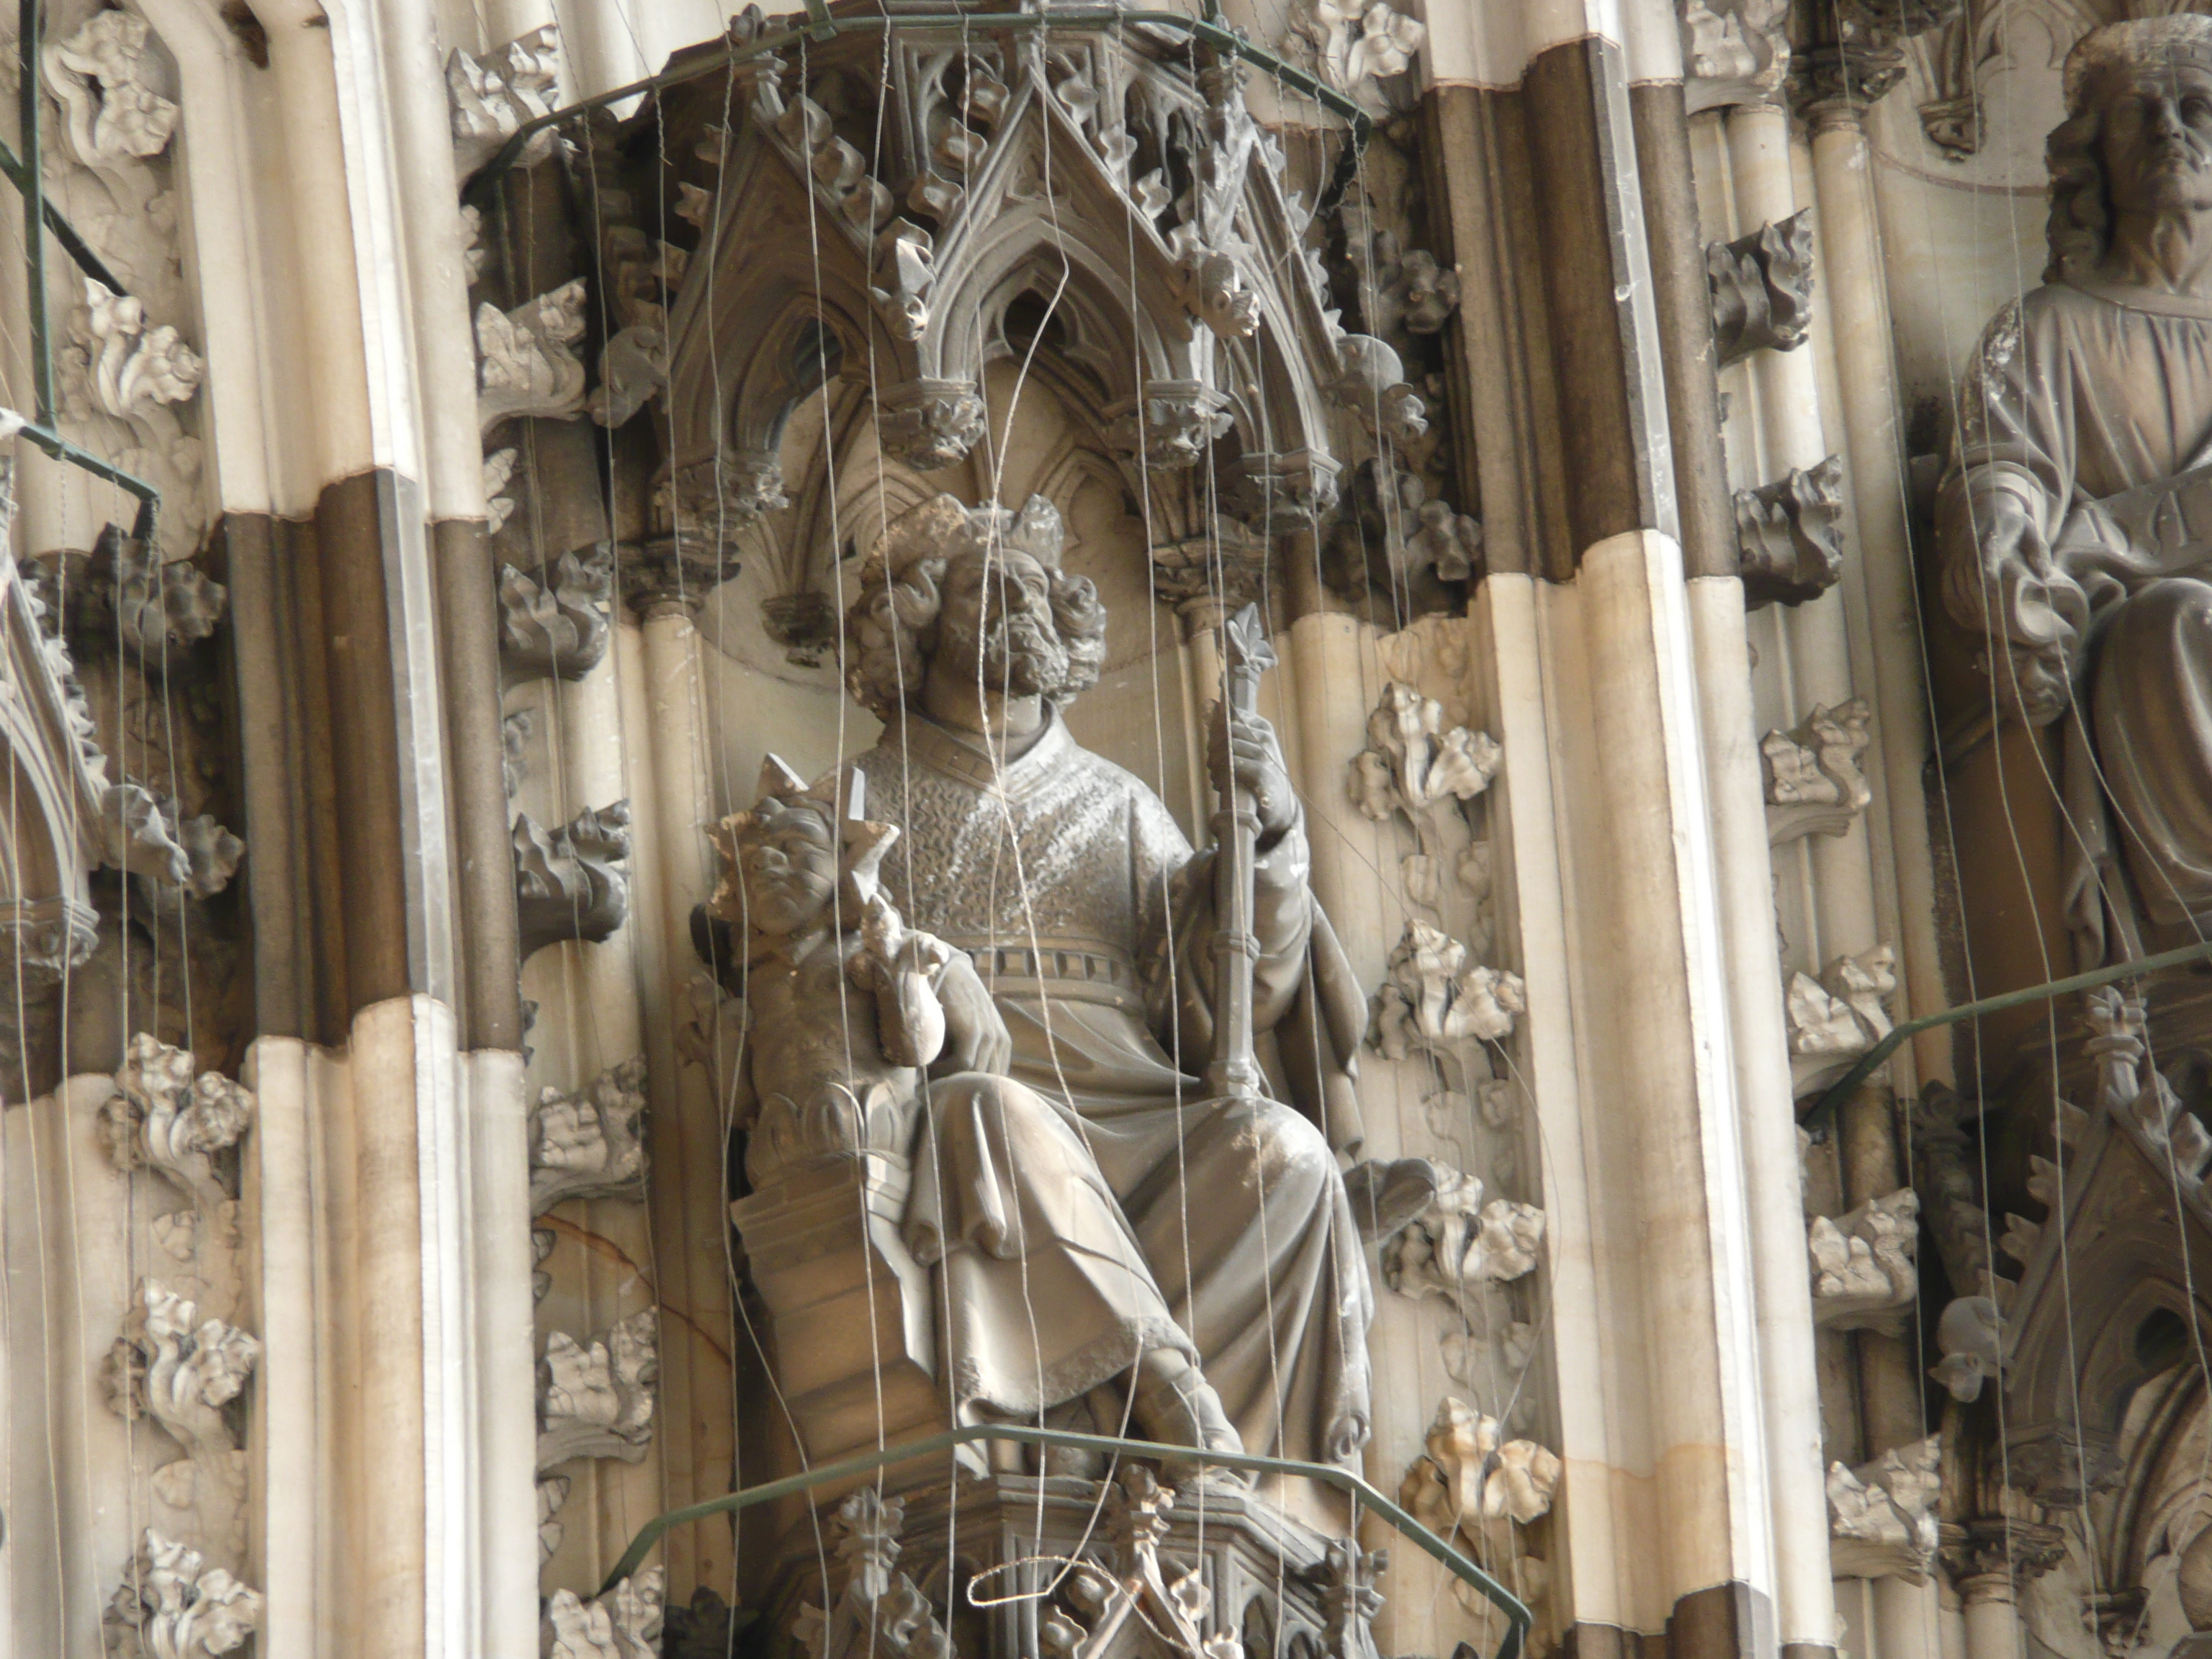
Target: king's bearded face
995, 628
2155, 136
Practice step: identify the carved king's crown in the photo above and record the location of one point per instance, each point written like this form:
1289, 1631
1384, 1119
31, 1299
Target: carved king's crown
945, 527
2184, 38
861, 843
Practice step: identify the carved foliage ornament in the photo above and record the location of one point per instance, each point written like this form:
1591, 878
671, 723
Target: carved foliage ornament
1881, 1516
1863, 1277
1216, 575
1458, 1243
1470, 1474
1762, 289
492, 95
569, 883
1839, 1016
124, 594
164, 1117
643, 274
553, 621
625, 1623
1432, 999
1813, 783
589, 1143
119, 366
179, 1360
1790, 535
597, 1401
1354, 43
1734, 52
526, 361
171, 1605
112, 114
1411, 765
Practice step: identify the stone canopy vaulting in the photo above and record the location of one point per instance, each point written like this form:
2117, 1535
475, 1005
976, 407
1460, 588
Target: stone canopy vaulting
1023, 829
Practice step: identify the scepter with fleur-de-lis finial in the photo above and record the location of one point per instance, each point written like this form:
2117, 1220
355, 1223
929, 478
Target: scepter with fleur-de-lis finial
1235, 1068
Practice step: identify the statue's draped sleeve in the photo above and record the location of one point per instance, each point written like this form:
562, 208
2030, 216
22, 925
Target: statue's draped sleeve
2023, 401
1302, 983
2015, 426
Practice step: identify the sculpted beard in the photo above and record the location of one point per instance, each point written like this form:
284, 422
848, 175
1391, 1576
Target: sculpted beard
1018, 655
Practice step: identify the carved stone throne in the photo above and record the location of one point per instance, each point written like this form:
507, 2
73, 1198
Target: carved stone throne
850, 1315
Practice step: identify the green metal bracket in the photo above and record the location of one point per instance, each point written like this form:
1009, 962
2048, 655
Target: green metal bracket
1517, 1616
39, 213
822, 26
1841, 1090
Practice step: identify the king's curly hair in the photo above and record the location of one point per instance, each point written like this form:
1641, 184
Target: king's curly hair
2079, 230
891, 632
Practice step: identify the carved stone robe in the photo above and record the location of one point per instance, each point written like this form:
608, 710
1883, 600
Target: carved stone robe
2091, 405
1090, 919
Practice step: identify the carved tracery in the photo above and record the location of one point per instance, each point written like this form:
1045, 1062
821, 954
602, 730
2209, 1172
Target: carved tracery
1118, 226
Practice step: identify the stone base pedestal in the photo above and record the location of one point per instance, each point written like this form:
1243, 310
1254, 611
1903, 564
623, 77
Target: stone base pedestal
1018, 1566
851, 1334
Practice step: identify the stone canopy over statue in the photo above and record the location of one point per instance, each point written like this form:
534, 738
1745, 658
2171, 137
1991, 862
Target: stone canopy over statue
2076, 520
990, 960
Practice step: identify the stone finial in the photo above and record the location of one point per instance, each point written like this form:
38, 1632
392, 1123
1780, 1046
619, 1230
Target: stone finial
882, 1610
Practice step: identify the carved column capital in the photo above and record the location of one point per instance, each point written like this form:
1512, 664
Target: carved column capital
1210, 577
1833, 82
1835, 85
667, 574
1993, 1559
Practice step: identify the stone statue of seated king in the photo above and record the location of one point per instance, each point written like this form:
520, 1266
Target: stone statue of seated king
980, 1006
2076, 520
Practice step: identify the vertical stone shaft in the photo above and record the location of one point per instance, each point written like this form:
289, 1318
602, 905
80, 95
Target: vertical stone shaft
1789, 1383
1866, 375
1600, 678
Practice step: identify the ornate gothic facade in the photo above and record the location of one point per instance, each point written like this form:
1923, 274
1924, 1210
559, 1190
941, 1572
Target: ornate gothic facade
1036, 831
